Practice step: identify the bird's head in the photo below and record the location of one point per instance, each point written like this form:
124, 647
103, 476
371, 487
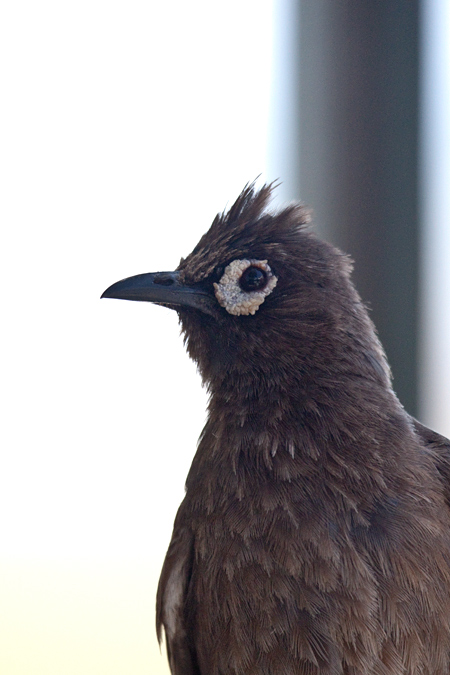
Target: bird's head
260, 296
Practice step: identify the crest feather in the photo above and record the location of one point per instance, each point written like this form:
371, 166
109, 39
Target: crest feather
233, 232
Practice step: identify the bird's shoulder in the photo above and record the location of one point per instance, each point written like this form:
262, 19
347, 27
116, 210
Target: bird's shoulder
438, 447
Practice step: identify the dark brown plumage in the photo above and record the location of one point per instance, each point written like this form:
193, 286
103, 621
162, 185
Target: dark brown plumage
314, 537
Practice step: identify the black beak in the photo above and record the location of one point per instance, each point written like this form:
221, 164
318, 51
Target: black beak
164, 288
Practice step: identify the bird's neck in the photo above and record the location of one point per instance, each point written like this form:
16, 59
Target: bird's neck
261, 431
289, 400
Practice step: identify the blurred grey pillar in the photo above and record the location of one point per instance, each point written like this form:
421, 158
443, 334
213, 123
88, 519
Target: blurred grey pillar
435, 214
356, 92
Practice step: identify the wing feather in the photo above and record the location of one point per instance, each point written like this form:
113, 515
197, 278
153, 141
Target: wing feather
171, 600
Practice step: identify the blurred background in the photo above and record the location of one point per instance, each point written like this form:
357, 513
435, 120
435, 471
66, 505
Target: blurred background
124, 128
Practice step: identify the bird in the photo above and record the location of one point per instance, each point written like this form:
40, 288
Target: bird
314, 534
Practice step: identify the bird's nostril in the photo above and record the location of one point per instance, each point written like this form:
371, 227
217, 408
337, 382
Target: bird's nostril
163, 279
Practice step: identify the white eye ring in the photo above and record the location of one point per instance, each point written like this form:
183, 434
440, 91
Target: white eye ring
231, 296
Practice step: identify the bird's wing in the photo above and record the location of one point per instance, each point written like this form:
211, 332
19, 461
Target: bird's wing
171, 600
439, 447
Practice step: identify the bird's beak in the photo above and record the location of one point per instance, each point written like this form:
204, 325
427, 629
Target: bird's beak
163, 288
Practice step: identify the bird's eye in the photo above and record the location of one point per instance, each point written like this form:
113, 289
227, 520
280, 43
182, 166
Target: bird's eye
244, 286
253, 279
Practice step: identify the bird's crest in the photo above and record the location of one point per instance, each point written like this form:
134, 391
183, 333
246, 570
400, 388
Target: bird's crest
246, 225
